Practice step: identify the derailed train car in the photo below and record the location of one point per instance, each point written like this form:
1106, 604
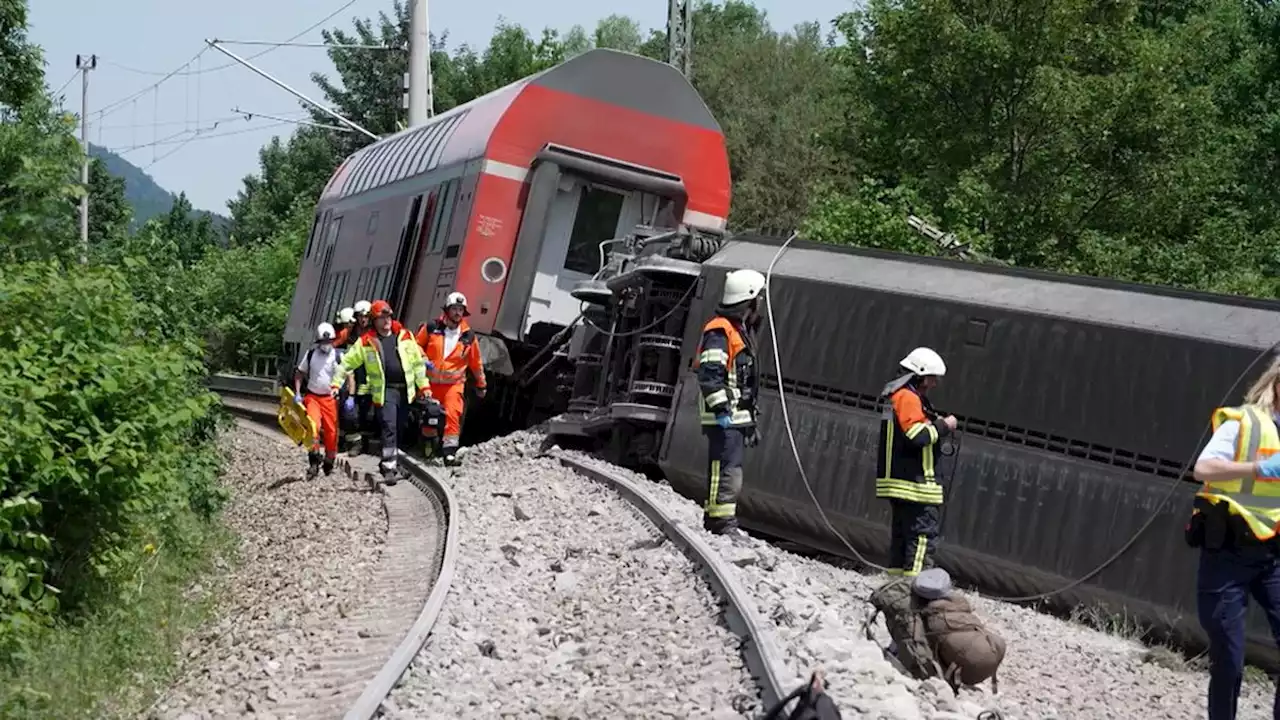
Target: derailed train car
1079, 401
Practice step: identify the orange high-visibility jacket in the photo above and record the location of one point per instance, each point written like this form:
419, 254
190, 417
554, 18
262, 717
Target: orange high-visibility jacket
451, 369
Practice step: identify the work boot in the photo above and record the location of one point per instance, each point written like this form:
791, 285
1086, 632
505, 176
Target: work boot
389, 477
313, 464
450, 457
722, 526
328, 467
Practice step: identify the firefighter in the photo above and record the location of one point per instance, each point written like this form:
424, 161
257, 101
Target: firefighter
451, 349
727, 375
318, 366
905, 463
361, 429
1234, 522
346, 318
396, 377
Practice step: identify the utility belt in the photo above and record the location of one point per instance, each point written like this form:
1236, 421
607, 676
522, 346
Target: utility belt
1214, 527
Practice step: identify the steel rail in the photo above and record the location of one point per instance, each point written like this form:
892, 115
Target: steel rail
764, 660
368, 704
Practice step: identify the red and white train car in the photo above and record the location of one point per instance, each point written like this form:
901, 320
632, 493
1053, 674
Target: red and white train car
508, 197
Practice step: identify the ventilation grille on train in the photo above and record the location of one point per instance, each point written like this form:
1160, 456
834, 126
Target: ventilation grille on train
1000, 432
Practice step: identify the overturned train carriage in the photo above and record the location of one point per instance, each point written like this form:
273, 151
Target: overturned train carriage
1079, 403
508, 199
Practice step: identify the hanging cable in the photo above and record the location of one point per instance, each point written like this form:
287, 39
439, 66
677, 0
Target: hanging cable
1174, 484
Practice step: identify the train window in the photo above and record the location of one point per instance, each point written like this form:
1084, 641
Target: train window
597, 221
444, 215
335, 226
315, 230
373, 223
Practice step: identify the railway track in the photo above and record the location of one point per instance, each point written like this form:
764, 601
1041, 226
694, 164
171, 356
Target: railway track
560, 589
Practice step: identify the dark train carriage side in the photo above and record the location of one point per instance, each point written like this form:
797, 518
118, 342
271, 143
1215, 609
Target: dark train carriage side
508, 197
1079, 402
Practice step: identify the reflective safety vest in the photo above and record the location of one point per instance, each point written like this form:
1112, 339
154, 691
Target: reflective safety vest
367, 353
346, 338
451, 369
1255, 500
735, 359
905, 466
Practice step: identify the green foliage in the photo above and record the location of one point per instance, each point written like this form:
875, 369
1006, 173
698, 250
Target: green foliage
102, 446
1122, 141
39, 162
109, 211
142, 194
243, 293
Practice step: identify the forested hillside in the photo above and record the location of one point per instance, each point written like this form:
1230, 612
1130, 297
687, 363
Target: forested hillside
145, 197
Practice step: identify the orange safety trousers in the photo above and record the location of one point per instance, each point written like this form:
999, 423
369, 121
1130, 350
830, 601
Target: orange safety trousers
323, 411
451, 397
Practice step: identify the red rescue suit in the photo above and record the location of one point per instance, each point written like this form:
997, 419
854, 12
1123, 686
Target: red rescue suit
448, 371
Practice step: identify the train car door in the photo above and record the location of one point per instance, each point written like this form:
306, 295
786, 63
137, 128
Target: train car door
583, 215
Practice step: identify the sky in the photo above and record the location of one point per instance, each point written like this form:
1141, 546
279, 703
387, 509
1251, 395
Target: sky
186, 133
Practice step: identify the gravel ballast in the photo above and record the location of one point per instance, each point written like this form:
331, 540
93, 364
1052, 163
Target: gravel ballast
307, 552
1053, 669
567, 602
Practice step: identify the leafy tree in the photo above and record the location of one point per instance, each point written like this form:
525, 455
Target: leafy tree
21, 62
296, 168
109, 211
774, 96
618, 32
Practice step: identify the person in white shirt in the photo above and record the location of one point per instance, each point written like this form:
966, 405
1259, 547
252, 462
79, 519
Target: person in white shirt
317, 369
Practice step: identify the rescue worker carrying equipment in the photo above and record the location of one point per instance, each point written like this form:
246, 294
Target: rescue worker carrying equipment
394, 368
319, 366
361, 428
1234, 523
451, 349
725, 363
905, 463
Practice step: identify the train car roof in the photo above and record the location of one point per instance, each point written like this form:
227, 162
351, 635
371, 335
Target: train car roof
1227, 319
463, 133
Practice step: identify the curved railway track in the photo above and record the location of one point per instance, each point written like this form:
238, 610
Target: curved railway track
731, 605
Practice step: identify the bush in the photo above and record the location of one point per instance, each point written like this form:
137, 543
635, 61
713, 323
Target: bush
106, 445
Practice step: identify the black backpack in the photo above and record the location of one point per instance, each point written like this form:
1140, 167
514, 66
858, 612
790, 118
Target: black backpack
814, 703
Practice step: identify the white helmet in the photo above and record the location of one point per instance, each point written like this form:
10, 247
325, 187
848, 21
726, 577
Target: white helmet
364, 307
457, 298
325, 331
346, 316
923, 361
741, 286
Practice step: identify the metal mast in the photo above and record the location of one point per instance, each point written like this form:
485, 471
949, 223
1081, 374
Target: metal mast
680, 35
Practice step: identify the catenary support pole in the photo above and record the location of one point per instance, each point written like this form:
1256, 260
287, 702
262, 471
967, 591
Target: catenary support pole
84, 65
420, 100
332, 113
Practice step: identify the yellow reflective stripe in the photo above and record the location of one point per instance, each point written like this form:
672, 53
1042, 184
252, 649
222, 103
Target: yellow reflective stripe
920, 427
926, 493
737, 417
714, 489
893, 571
713, 356
926, 457
716, 398
722, 511
917, 563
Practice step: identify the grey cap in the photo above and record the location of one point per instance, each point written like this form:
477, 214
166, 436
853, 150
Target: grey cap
932, 584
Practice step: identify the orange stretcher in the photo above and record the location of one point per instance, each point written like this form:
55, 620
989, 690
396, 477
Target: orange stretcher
294, 420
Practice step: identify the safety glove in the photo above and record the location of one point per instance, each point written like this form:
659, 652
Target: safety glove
723, 421
297, 398
349, 405
1270, 468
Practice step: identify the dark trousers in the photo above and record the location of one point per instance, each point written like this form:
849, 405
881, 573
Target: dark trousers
725, 449
393, 417
1226, 580
913, 537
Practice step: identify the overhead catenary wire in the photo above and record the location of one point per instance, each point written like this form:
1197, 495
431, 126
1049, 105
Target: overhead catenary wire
201, 133
1174, 484
200, 71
